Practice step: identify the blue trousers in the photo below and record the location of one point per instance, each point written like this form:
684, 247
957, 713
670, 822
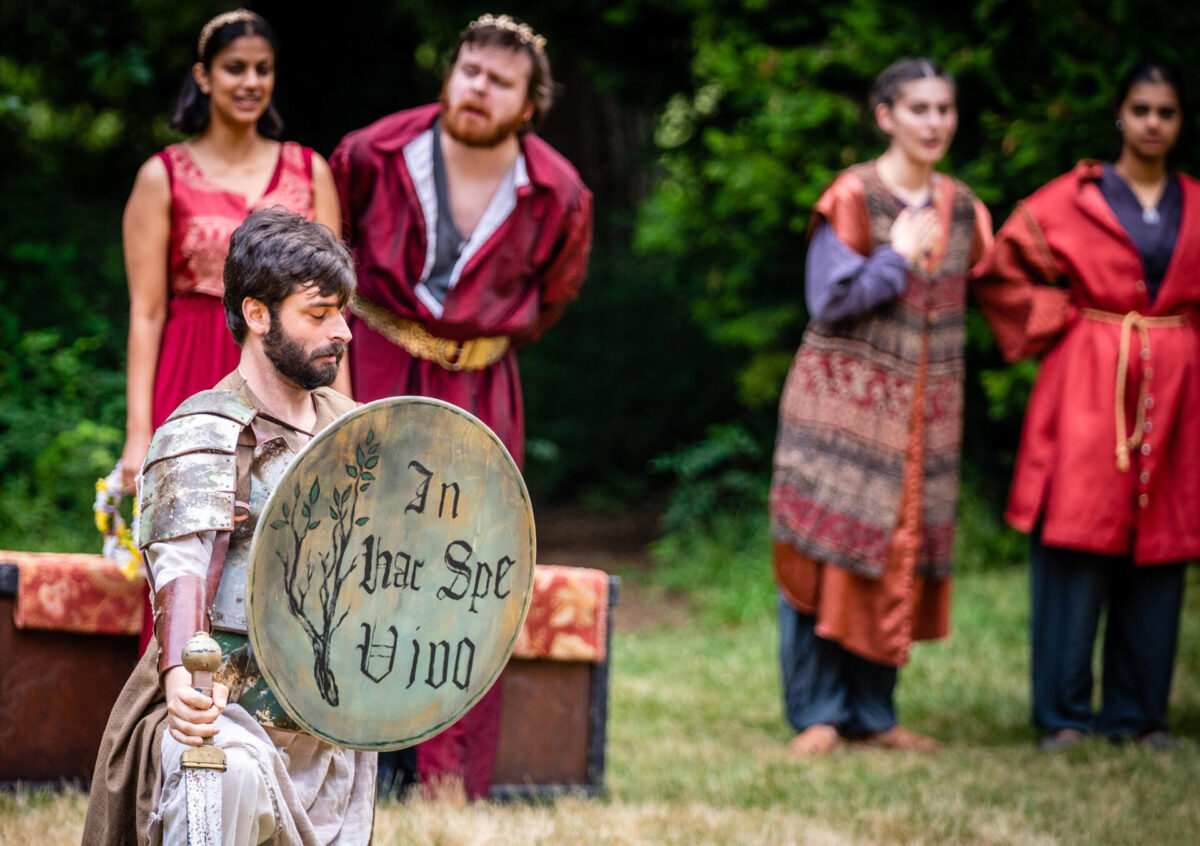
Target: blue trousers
1069, 590
823, 683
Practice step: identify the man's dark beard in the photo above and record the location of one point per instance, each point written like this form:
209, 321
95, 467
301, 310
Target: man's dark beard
488, 137
296, 365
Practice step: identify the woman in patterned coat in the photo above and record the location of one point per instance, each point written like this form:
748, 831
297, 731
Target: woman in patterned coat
870, 424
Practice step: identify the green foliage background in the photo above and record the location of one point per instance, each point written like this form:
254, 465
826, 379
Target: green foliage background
706, 128
778, 107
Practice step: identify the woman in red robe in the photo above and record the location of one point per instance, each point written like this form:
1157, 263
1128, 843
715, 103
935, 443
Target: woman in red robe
185, 203
1101, 269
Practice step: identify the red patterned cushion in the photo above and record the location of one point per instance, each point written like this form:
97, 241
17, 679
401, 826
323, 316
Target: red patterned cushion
75, 593
568, 616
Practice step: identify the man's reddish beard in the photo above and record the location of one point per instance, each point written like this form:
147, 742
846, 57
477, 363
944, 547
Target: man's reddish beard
487, 136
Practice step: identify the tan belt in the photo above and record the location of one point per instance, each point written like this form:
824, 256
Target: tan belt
473, 354
1143, 325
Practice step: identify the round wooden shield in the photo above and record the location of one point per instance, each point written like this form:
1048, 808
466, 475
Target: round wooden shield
390, 573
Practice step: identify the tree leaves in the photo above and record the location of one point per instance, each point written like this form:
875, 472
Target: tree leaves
777, 105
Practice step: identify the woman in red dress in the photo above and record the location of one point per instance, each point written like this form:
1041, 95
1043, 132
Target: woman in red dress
1101, 268
185, 203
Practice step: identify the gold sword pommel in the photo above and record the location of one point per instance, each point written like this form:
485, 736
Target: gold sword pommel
202, 657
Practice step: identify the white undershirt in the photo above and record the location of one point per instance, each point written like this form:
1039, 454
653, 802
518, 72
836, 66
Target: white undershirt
418, 158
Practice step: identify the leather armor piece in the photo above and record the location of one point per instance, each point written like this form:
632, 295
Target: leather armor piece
189, 486
180, 610
265, 463
189, 480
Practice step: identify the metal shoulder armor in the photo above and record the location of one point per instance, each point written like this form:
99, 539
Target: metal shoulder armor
189, 479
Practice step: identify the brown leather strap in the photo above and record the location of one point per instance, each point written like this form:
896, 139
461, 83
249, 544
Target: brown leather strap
180, 611
216, 566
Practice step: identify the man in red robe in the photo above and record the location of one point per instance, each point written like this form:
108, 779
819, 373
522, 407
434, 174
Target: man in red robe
471, 236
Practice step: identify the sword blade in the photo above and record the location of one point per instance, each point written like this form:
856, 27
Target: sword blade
203, 789
202, 765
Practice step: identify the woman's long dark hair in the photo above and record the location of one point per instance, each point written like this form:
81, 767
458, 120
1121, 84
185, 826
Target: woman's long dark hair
192, 109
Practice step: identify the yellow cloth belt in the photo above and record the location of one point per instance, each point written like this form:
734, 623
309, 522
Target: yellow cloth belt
1143, 325
472, 354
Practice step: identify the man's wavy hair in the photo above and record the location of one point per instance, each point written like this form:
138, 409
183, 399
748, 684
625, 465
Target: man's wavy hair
275, 253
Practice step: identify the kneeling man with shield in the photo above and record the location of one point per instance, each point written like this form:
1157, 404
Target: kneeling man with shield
364, 571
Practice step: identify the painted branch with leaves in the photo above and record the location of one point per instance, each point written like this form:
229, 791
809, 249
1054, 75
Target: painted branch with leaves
299, 520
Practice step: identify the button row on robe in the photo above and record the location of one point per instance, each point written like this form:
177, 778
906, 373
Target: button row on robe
1148, 403
1147, 427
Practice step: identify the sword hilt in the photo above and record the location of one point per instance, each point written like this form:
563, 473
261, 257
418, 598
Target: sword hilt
202, 658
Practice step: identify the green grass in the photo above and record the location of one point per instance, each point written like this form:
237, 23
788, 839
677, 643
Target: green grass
696, 751
697, 718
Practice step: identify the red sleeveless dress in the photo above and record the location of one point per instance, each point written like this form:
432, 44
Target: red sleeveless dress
197, 349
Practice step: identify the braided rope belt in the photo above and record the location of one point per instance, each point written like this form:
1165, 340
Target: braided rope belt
1128, 323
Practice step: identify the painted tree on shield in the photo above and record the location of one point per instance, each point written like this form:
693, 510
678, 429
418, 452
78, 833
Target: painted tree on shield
326, 568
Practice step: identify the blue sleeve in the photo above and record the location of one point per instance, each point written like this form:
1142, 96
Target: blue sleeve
841, 283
